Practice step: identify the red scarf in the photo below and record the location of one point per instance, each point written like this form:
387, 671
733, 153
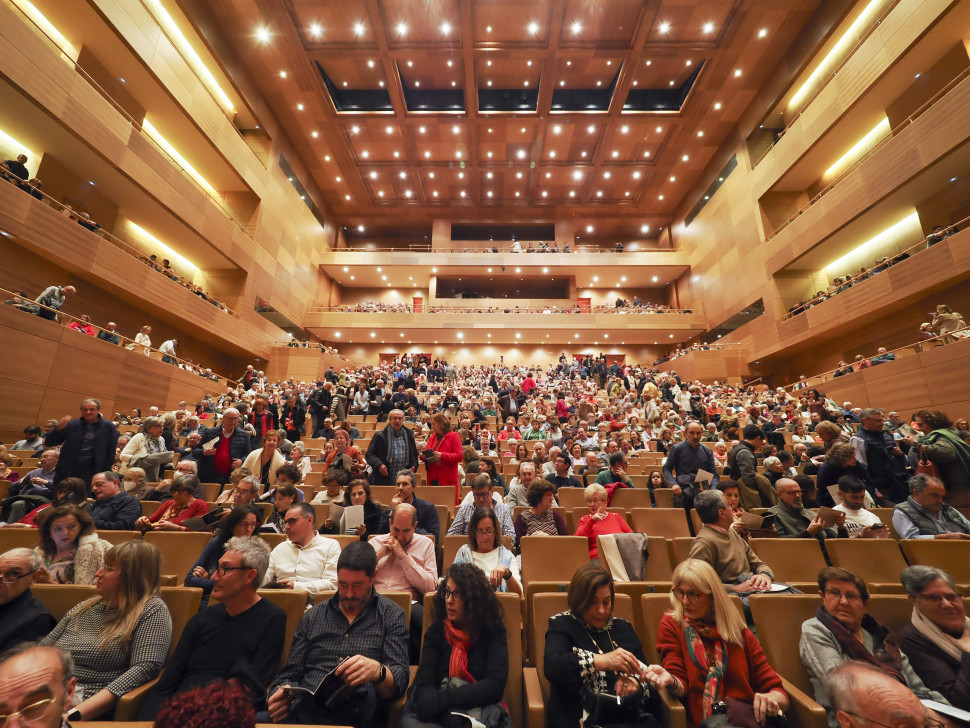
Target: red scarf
460, 643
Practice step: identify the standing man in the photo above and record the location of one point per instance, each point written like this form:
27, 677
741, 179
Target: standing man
319, 405
360, 633
686, 459
756, 489
53, 297
306, 561
113, 509
877, 450
428, 523
406, 561
22, 616
87, 443
391, 451
226, 451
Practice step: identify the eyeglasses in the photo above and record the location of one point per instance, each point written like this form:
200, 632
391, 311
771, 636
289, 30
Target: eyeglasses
223, 569
691, 597
242, 491
294, 521
448, 594
486, 532
850, 597
11, 578
937, 599
30, 714
927, 721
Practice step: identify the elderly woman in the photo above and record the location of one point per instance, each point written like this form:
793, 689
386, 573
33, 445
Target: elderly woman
120, 638
841, 460
830, 434
266, 460
539, 519
465, 658
589, 653
344, 456
709, 655
599, 522
841, 630
442, 453
172, 514
937, 641
69, 545
299, 458
485, 550
147, 449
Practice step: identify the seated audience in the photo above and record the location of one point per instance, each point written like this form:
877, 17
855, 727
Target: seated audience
333, 488
345, 456
519, 487
406, 562
840, 461
589, 653
242, 522
925, 515
937, 640
599, 521
171, 515
357, 494
22, 616
112, 509
481, 497
285, 496
485, 550
859, 522
240, 639
539, 519
6, 473
299, 458
465, 661
359, 634
32, 440
119, 640
706, 650
306, 561
69, 546
146, 449
793, 520
841, 630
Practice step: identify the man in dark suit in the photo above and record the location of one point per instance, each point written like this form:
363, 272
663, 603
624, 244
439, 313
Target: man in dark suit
87, 443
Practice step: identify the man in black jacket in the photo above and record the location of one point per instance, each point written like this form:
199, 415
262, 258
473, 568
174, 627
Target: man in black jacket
391, 451
878, 452
22, 616
428, 522
319, 404
87, 443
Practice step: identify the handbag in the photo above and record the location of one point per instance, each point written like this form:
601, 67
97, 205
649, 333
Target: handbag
732, 713
604, 709
925, 466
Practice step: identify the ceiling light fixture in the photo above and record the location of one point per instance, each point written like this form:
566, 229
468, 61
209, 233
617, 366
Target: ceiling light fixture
533, 27
359, 28
402, 28
708, 28
664, 28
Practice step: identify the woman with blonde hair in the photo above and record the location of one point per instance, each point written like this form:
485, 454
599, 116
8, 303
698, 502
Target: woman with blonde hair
708, 654
263, 462
119, 639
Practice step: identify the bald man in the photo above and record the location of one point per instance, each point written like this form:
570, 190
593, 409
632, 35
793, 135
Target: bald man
863, 696
37, 683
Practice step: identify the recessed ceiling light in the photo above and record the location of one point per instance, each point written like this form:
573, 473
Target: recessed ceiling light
737, 72
397, 155
402, 28
263, 34
488, 63
431, 175
625, 129
644, 228
445, 28
596, 279
528, 63
365, 154
655, 279
488, 83
673, 179
282, 74
488, 175
299, 107
316, 30
572, 193
545, 194
417, 84
576, 27
373, 175
489, 193
577, 175
609, 63
583, 155
488, 29
557, 129
562, 83
636, 175
646, 154
615, 154
435, 193
370, 63
599, 193
533, 27
403, 175
461, 175
314, 134
606, 175
355, 130
520, 154
548, 175
410, 64
360, 228
599, 83
671, 83
381, 84
407, 193
488, 154
708, 28
518, 175
358, 28
664, 28
660, 130
685, 158
463, 193
522, 130
660, 197
347, 197
700, 133
337, 179
762, 33
453, 83
589, 228
552, 155
635, 83
380, 193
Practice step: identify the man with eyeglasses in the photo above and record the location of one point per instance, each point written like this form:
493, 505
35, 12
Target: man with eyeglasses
481, 497
224, 449
36, 686
22, 616
925, 515
841, 630
306, 561
864, 696
240, 639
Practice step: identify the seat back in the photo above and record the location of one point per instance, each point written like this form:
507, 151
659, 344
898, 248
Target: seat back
180, 550
512, 618
629, 498
211, 490
891, 610
790, 559
570, 498
17, 538
951, 556
664, 522
875, 560
182, 602
450, 545
59, 599
552, 558
778, 619
664, 497
116, 537
679, 549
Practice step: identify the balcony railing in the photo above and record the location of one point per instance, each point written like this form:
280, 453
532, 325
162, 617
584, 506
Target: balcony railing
406, 309
507, 247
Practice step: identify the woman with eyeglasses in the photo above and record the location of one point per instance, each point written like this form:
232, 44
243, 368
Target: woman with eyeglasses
485, 550
708, 654
465, 657
119, 639
242, 521
937, 641
594, 661
841, 630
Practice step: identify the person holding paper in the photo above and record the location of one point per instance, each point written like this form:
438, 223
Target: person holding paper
793, 520
684, 461
859, 522
306, 561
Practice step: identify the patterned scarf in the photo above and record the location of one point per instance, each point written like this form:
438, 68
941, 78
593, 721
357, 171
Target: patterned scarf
885, 654
696, 632
460, 643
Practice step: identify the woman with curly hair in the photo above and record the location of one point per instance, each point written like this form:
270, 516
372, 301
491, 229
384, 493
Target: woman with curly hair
218, 705
465, 659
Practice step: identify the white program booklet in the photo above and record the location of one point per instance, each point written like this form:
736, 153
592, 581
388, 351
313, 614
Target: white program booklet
353, 517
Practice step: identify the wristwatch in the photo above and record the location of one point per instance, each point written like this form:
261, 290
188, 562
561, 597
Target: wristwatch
75, 714
383, 674
508, 573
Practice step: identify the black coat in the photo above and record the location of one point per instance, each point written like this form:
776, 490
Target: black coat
377, 455
71, 440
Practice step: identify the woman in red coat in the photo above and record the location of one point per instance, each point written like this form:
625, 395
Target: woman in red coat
709, 655
442, 454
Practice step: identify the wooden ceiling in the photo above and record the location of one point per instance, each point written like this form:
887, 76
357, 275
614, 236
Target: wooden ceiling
613, 168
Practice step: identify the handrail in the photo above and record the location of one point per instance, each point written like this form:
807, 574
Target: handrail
493, 309
184, 364
70, 213
867, 273
812, 381
135, 124
506, 248
714, 346
841, 64
878, 146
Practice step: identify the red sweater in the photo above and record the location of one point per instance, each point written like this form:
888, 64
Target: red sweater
746, 673
613, 523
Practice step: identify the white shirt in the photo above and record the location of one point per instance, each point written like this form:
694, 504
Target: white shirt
313, 567
855, 521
